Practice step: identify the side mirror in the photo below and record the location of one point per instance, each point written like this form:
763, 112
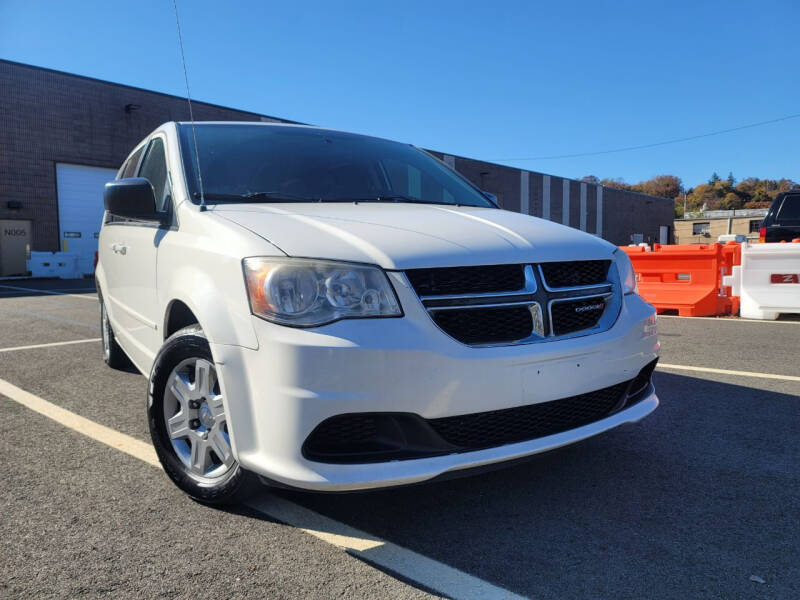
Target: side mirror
491, 197
132, 198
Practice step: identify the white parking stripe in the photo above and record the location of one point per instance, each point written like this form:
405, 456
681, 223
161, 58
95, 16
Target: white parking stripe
412, 566
728, 372
728, 320
34, 346
406, 563
90, 294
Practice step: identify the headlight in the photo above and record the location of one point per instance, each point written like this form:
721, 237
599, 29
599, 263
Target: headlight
627, 277
308, 293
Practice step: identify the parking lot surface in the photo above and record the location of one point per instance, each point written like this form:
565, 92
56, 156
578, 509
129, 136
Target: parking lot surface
699, 500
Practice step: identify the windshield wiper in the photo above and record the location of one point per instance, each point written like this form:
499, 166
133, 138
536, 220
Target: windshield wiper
255, 197
397, 198
214, 197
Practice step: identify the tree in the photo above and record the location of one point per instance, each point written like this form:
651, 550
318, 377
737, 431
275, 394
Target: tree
615, 183
664, 186
750, 192
731, 201
678, 208
590, 179
703, 194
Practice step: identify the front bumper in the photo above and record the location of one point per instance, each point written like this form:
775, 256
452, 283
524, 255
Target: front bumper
275, 396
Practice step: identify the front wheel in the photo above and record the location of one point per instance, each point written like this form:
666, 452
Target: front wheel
188, 422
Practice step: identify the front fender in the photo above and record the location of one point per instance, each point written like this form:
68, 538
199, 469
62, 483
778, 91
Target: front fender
220, 303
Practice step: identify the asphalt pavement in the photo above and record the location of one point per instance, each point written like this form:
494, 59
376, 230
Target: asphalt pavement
699, 500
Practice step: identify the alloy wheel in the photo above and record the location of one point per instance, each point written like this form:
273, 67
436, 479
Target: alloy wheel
195, 419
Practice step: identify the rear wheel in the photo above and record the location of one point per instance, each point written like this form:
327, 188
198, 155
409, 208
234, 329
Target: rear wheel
113, 355
189, 424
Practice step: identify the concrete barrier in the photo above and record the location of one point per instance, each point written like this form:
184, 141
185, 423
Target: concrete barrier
63, 265
767, 281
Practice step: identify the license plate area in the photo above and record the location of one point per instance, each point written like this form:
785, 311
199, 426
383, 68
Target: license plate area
784, 278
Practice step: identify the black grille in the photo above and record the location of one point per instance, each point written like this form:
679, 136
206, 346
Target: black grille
642, 380
345, 433
383, 436
487, 429
575, 273
486, 325
576, 315
467, 280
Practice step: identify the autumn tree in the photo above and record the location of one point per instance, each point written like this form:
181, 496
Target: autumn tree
717, 194
664, 186
617, 183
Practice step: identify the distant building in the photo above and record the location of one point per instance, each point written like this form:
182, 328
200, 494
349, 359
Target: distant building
706, 227
63, 136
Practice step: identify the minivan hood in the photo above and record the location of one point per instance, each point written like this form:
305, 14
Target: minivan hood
407, 236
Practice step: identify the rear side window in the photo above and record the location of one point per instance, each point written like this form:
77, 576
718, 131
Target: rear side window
154, 169
790, 209
129, 170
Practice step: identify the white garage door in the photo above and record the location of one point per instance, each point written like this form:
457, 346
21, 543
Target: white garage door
80, 209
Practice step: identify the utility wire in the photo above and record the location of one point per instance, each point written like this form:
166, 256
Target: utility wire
641, 147
189, 100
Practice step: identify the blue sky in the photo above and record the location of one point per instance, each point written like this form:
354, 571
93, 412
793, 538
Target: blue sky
487, 80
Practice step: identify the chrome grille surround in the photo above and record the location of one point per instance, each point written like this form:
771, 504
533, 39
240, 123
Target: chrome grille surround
540, 299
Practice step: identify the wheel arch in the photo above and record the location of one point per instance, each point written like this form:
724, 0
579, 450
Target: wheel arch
193, 296
178, 315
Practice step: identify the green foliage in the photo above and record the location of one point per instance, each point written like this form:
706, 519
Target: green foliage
678, 208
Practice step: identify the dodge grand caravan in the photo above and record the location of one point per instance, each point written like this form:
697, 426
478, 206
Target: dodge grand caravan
331, 311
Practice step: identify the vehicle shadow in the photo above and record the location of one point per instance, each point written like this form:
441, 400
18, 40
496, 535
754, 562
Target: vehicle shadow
17, 288
690, 502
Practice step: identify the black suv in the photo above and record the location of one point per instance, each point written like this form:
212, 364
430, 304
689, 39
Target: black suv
782, 222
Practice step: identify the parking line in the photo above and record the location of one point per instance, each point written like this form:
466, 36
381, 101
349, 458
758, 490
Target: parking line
409, 565
87, 296
728, 372
51, 344
729, 320
125, 443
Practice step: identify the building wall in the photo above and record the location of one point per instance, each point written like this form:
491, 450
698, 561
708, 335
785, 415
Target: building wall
623, 213
716, 228
50, 117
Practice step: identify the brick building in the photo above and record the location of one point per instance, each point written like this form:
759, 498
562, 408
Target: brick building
63, 135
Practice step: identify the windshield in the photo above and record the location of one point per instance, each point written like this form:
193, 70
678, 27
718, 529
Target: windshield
262, 163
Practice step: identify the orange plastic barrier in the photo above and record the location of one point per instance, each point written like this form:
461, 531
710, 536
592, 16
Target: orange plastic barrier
687, 278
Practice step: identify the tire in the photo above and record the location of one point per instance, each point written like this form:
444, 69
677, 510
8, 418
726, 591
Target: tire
188, 423
113, 355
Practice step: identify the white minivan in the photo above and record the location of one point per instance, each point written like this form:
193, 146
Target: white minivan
331, 311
